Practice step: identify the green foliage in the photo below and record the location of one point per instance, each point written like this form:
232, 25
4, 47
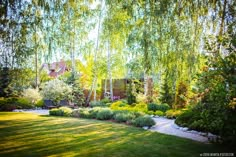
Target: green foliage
181, 96
105, 114
56, 90
131, 92
6, 105
39, 103
144, 121
99, 104
9, 104
23, 103
124, 116
62, 111
159, 113
32, 95
83, 113
165, 94
173, 113
77, 92
5, 80
154, 107
56, 112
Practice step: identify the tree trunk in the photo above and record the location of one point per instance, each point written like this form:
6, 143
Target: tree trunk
93, 87
109, 69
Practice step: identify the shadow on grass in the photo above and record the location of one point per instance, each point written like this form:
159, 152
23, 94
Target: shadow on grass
30, 135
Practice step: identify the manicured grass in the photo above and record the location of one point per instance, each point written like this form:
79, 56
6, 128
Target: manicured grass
28, 135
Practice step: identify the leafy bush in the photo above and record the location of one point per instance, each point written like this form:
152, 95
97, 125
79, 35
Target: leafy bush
106, 100
23, 103
150, 112
162, 107
141, 98
56, 112
124, 117
144, 121
32, 95
182, 94
117, 105
105, 114
39, 103
159, 113
57, 90
98, 104
152, 107
9, 104
94, 111
84, 113
77, 96
173, 113
66, 111
62, 111
6, 106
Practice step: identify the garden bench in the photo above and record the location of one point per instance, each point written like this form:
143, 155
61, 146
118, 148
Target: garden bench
66, 103
49, 104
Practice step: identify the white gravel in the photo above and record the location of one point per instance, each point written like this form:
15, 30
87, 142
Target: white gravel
39, 111
168, 126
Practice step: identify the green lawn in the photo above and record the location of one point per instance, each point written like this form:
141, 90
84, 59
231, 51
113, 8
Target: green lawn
27, 135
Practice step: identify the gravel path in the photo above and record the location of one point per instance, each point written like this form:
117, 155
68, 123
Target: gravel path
40, 112
168, 126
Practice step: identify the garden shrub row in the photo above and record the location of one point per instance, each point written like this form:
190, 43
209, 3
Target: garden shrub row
9, 104
62, 111
121, 116
151, 109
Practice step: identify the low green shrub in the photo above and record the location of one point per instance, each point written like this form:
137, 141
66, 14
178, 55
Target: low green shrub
94, 111
56, 112
124, 117
66, 111
75, 113
152, 107
186, 118
23, 103
98, 104
39, 103
173, 113
9, 104
104, 114
81, 113
161, 107
159, 113
150, 112
62, 111
106, 100
138, 114
32, 95
144, 121
6, 106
